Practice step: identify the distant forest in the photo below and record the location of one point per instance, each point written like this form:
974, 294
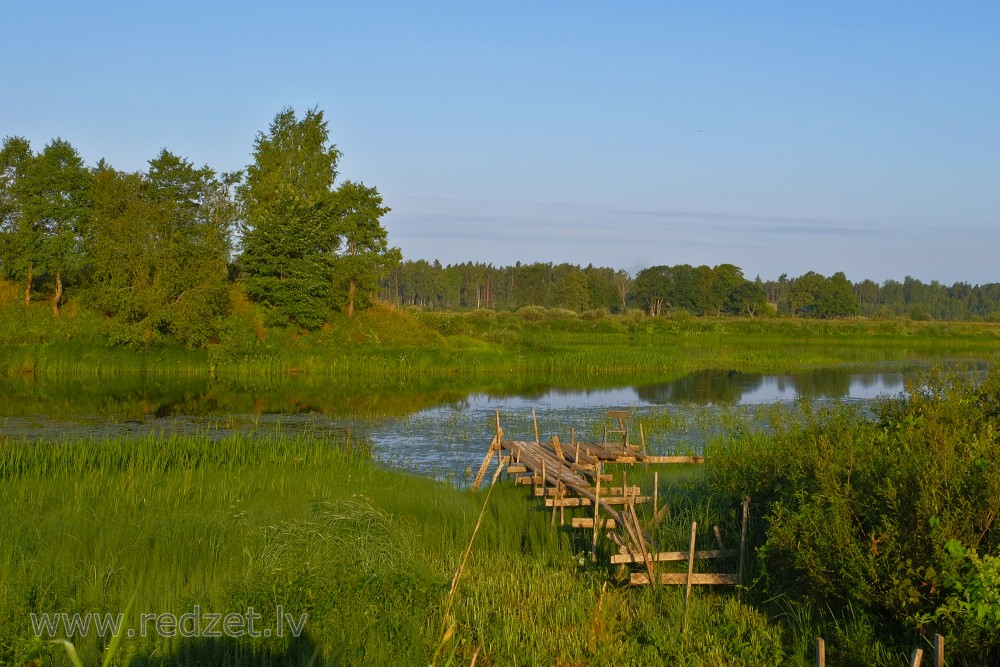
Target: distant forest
171, 249
663, 290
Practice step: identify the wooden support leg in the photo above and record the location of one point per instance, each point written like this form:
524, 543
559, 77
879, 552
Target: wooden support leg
656, 492
485, 465
687, 584
743, 543
597, 510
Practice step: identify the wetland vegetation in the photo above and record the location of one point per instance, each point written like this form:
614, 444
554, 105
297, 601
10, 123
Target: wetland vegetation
187, 424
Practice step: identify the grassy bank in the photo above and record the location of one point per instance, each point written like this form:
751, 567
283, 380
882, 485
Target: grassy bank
871, 532
310, 524
392, 343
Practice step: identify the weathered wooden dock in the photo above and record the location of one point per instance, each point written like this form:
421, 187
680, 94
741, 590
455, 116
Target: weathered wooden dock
573, 475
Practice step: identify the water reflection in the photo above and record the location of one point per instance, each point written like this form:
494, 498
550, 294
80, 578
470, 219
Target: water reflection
750, 389
439, 426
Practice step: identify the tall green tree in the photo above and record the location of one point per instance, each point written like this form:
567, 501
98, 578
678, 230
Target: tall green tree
56, 202
20, 239
158, 247
365, 256
290, 217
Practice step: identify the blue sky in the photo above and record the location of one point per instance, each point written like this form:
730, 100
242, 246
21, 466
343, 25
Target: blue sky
781, 137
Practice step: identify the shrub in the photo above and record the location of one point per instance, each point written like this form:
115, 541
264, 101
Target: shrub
531, 313
861, 512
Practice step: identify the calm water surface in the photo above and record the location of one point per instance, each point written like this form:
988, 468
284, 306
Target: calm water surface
440, 433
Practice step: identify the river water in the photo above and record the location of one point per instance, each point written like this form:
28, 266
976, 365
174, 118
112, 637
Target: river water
440, 433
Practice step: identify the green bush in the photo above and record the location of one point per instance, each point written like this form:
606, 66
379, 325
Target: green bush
863, 513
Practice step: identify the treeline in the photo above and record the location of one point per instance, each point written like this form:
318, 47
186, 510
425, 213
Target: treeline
158, 250
663, 290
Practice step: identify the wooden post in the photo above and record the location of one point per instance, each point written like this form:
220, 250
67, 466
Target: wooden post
642, 438
535, 419
558, 496
718, 538
597, 509
656, 491
486, 464
743, 543
916, 657
543, 478
624, 482
938, 650
687, 584
820, 652
558, 447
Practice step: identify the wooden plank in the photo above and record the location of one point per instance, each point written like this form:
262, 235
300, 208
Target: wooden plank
607, 492
671, 459
673, 556
588, 522
587, 502
680, 578
515, 469
641, 541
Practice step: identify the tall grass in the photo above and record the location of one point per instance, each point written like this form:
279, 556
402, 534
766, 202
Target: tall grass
308, 522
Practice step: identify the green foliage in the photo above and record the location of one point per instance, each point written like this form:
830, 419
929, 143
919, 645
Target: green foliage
366, 256
813, 295
290, 219
711, 291
158, 248
866, 514
20, 240
44, 208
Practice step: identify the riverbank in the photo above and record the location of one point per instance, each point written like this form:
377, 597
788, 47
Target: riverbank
388, 342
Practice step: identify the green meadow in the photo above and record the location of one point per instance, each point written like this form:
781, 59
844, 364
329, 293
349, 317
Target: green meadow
872, 530
385, 344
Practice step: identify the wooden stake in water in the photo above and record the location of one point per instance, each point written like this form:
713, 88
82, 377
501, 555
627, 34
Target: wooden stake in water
535, 419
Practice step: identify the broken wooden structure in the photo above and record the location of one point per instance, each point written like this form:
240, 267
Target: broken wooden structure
572, 476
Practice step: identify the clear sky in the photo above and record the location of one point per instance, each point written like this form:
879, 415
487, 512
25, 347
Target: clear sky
782, 137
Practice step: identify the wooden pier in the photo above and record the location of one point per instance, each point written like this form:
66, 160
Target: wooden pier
573, 476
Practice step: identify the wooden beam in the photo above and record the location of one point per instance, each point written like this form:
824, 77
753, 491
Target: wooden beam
612, 492
587, 522
680, 578
672, 459
587, 502
672, 556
